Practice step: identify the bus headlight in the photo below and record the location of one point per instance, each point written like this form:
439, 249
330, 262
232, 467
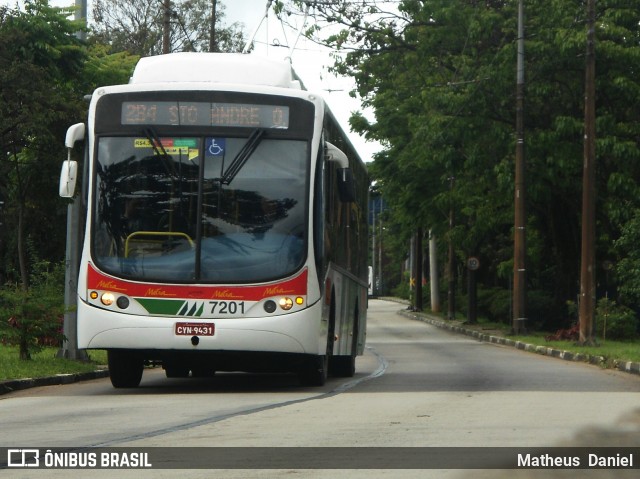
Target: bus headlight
107, 299
286, 303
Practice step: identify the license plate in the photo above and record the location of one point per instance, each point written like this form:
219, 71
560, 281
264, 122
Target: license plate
195, 329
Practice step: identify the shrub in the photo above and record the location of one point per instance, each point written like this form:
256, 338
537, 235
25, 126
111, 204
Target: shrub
494, 304
615, 321
33, 318
402, 290
543, 311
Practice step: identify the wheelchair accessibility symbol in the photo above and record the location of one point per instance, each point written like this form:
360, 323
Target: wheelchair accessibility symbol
215, 146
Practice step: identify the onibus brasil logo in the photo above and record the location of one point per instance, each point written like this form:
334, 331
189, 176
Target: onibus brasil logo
33, 458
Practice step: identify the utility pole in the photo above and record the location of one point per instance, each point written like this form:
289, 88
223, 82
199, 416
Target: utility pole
418, 269
472, 290
379, 270
588, 260
519, 247
69, 347
213, 47
433, 273
374, 271
412, 274
166, 26
451, 268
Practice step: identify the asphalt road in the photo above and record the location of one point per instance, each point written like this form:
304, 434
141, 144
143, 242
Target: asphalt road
417, 386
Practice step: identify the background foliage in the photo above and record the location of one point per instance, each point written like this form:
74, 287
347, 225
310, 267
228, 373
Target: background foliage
33, 318
440, 78
45, 73
136, 26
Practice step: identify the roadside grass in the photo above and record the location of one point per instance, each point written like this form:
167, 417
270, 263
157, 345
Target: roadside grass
610, 350
44, 363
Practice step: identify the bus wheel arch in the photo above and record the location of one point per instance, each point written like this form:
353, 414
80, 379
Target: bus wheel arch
316, 371
345, 365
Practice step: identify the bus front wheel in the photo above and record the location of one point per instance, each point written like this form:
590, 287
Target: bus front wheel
125, 368
315, 372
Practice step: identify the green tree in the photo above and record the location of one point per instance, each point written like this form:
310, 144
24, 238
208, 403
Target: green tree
44, 71
440, 78
104, 68
39, 58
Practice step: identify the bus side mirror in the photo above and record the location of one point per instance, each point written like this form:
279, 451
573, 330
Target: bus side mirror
346, 184
69, 172
68, 178
74, 133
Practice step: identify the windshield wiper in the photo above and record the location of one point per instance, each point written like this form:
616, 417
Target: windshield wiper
156, 144
158, 150
243, 155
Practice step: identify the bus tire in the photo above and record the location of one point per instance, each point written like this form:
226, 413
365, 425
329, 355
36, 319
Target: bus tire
315, 373
344, 366
125, 368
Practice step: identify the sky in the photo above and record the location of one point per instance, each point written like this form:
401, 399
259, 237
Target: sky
310, 61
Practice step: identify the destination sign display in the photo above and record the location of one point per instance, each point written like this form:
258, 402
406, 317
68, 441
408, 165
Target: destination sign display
204, 114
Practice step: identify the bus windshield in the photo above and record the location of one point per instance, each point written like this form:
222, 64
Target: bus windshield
205, 209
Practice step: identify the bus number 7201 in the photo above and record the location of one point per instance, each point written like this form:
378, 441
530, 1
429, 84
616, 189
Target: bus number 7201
227, 307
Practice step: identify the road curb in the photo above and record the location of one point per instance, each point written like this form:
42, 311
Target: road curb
624, 366
58, 379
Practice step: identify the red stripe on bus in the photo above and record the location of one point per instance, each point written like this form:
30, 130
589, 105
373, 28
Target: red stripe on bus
99, 281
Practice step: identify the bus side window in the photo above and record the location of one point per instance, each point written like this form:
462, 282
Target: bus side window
319, 206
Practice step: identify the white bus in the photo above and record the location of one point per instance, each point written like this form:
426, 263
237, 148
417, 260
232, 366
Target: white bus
226, 227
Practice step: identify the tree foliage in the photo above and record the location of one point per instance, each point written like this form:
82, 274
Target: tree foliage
440, 76
45, 71
136, 26
39, 58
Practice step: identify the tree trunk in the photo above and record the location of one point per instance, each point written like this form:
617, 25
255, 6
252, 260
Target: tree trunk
24, 350
22, 254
